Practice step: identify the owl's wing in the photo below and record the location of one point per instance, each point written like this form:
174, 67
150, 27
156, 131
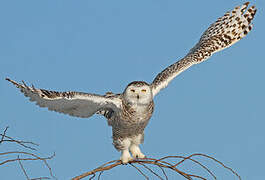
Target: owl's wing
72, 103
226, 31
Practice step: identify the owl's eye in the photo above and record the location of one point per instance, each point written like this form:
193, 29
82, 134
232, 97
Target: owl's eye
143, 90
132, 90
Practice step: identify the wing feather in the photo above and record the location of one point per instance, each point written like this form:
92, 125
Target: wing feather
72, 103
226, 31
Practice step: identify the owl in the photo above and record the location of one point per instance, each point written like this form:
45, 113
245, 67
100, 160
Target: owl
129, 112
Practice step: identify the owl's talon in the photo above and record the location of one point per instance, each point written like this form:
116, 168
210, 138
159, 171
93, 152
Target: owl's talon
138, 157
125, 161
125, 157
136, 152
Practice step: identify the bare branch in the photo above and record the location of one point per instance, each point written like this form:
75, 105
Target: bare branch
23, 156
163, 171
168, 162
22, 143
3, 136
100, 175
23, 169
189, 158
149, 169
212, 158
92, 177
162, 163
146, 177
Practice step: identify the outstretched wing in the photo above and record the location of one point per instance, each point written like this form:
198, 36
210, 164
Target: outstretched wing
226, 31
73, 103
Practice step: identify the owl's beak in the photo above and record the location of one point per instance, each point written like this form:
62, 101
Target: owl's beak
138, 96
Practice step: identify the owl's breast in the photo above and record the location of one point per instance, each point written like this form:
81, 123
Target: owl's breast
131, 122
137, 113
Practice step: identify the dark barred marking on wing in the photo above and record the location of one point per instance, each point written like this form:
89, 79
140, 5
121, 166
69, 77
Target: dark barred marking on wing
108, 113
77, 104
226, 31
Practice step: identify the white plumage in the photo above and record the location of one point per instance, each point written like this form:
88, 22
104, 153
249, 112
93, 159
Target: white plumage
129, 112
223, 33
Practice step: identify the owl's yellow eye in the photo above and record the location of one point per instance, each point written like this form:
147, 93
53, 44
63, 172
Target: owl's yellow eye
143, 90
132, 90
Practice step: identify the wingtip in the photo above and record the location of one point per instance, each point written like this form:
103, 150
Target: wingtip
13, 82
10, 80
246, 3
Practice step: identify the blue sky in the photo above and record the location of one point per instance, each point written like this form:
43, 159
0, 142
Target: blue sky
216, 107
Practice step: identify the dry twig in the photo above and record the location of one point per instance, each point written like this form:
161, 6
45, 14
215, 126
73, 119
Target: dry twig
23, 156
5, 138
163, 163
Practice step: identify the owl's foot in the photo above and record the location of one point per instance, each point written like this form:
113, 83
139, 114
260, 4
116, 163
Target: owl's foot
125, 157
136, 152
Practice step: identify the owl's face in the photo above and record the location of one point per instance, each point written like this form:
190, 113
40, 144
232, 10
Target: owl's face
138, 92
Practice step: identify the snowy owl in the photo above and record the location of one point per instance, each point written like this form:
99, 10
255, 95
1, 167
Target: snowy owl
128, 113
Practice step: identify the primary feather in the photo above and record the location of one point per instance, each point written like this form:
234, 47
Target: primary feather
129, 113
226, 31
77, 104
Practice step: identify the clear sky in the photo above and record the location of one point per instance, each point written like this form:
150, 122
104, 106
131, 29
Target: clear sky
216, 107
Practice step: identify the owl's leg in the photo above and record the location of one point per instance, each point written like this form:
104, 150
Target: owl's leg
125, 156
123, 146
134, 148
136, 152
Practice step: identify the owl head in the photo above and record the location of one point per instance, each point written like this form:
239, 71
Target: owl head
138, 92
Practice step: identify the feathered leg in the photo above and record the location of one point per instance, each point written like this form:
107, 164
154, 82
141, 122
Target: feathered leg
123, 145
134, 148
